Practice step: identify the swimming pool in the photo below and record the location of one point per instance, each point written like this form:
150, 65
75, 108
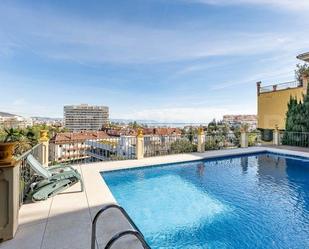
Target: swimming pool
250, 201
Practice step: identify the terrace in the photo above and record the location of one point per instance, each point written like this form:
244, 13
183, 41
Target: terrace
278, 87
64, 221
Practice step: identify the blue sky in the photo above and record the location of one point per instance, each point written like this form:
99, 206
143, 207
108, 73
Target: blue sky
166, 60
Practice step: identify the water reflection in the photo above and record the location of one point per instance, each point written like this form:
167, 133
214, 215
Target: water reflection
244, 164
200, 169
286, 172
271, 166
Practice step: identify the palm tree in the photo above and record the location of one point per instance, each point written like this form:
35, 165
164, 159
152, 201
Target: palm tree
31, 136
22, 142
22, 145
12, 135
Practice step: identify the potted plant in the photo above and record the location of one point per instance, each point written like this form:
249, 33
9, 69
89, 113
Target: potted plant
8, 142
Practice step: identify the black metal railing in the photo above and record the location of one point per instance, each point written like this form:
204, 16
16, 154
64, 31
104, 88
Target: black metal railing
217, 141
27, 175
300, 139
136, 232
124, 147
93, 150
157, 145
254, 138
221, 141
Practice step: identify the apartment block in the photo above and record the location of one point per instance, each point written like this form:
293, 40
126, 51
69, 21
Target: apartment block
85, 117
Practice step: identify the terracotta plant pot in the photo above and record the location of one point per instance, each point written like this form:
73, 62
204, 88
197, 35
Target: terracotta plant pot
6, 152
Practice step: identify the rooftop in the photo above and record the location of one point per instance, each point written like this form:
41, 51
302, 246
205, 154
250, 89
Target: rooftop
146, 131
85, 106
65, 137
278, 87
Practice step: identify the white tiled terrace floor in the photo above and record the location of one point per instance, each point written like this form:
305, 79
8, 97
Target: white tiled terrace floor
64, 221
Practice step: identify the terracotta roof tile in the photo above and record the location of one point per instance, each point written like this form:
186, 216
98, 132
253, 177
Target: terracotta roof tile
65, 137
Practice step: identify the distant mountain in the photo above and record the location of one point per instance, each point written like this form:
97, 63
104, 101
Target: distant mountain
7, 115
45, 118
154, 123
126, 121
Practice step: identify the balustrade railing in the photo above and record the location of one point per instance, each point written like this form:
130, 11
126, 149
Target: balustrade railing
300, 139
254, 138
93, 150
125, 147
27, 175
281, 86
221, 141
167, 145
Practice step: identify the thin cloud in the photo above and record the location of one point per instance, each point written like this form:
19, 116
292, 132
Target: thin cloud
295, 5
61, 37
183, 114
270, 77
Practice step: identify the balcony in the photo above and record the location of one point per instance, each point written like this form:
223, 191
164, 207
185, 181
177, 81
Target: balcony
279, 87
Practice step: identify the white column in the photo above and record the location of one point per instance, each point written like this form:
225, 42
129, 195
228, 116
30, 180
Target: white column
200, 140
276, 137
139, 144
44, 149
243, 139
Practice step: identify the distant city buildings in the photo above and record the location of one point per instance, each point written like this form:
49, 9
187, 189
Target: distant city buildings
238, 120
85, 117
58, 122
126, 131
66, 146
8, 120
72, 145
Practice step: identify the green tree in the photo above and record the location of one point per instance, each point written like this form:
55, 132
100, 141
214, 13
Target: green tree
297, 122
305, 111
12, 135
183, 146
291, 114
302, 69
134, 125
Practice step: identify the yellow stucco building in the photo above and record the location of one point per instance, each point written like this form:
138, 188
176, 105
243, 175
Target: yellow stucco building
272, 101
273, 105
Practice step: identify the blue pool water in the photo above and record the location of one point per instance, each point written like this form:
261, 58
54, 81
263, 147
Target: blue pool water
253, 201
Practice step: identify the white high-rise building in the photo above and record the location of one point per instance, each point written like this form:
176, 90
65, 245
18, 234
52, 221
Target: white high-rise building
85, 117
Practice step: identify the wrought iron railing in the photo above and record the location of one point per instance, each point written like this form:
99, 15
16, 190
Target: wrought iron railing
281, 86
124, 147
156, 145
300, 139
93, 150
215, 141
27, 175
254, 138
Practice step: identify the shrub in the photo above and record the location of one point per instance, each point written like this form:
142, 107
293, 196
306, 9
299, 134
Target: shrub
183, 146
212, 144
